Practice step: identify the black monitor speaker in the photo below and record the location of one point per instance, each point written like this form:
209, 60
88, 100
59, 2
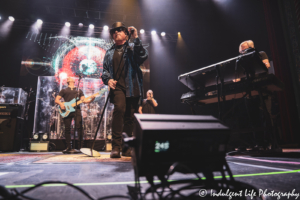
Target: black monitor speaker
10, 128
198, 142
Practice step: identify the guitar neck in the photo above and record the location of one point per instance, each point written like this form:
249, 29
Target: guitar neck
78, 103
94, 95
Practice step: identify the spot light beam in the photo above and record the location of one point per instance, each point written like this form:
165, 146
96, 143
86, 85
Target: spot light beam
5, 28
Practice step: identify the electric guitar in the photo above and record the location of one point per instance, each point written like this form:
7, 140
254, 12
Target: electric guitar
71, 104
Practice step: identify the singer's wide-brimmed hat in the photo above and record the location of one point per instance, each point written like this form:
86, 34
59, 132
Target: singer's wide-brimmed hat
118, 25
70, 79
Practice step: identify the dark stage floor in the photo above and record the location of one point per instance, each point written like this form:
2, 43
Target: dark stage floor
99, 179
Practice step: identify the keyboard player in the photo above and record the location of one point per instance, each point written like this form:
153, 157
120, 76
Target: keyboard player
248, 44
244, 47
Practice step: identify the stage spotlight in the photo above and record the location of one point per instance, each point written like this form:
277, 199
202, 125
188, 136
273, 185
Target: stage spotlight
163, 34
80, 24
68, 24
105, 28
39, 21
142, 31
179, 33
36, 136
11, 18
0, 17
63, 75
91, 26
153, 32
45, 136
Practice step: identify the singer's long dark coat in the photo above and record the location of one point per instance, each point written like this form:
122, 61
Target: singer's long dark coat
135, 56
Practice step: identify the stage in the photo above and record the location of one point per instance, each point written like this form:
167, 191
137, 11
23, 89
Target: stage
103, 176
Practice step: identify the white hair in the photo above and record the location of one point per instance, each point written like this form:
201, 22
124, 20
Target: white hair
250, 43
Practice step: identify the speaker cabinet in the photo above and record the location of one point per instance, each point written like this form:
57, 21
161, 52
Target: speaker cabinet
10, 128
10, 134
161, 140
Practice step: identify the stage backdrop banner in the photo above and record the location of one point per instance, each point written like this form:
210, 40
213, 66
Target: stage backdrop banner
47, 118
48, 59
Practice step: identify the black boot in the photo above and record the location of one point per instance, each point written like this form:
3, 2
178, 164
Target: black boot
68, 149
115, 153
127, 153
68, 143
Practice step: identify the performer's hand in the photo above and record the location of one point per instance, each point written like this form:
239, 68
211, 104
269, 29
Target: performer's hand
62, 106
267, 63
112, 83
134, 34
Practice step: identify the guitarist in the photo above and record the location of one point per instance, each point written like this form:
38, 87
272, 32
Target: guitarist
68, 94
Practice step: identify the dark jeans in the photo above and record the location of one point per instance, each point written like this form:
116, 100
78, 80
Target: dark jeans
123, 116
78, 124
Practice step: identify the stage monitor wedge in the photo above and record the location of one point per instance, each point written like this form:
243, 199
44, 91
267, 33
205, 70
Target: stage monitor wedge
198, 142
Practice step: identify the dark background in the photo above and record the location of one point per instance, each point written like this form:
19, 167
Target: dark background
211, 32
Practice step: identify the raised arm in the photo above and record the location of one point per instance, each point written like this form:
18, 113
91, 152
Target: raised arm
140, 53
155, 104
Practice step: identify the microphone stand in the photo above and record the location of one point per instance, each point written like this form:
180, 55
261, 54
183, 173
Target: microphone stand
73, 150
91, 151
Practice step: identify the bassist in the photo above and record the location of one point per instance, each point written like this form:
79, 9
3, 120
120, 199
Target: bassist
69, 94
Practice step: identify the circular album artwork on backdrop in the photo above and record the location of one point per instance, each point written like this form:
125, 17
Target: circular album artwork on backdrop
80, 55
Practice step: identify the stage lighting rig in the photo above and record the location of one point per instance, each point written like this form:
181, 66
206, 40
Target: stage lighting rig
63, 75
11, 18
39, 21
91, 26
40, 142
40, 136
105, 28
80, 24
36, 136
163, 34
68, 24
142, 31
153, 32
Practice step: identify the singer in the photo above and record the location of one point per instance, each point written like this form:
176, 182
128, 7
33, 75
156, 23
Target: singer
68, 94
148, 104
124, 76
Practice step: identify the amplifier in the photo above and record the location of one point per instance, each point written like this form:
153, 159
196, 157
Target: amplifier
161, 140
12, 110
10, 127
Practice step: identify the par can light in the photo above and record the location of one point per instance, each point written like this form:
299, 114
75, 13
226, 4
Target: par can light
105, 28
39, 21
11, 18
